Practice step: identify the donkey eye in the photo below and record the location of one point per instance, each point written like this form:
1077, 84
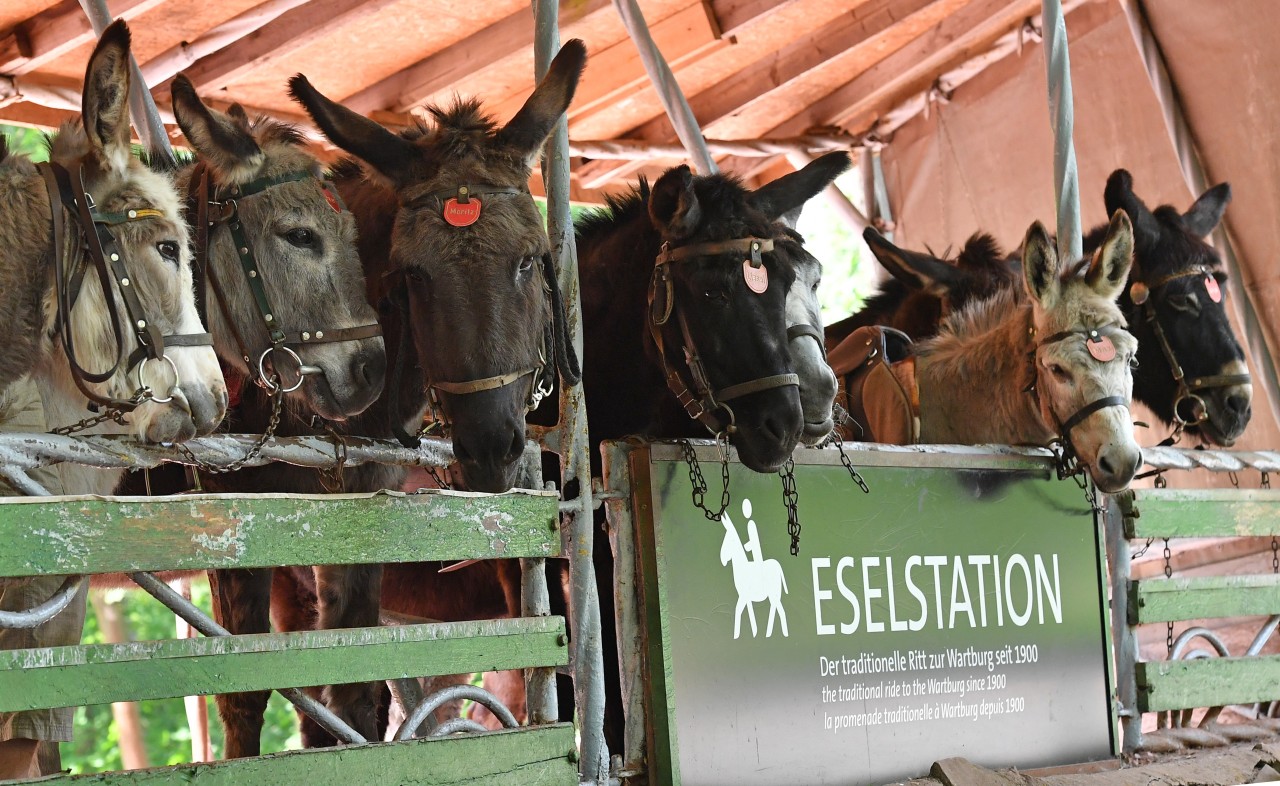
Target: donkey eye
1061, 373
302, 238
169, 250
526, 264
1187, 303
716, 296
416, 276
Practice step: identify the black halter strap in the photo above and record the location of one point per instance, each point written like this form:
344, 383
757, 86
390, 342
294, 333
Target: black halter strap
700, 401
1065, 427
99, 249
1187, 390
225, 200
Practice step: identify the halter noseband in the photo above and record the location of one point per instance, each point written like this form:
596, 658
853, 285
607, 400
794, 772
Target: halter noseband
1187, 391
104, 254
541, 376
1066, 427
226, 200
699, 399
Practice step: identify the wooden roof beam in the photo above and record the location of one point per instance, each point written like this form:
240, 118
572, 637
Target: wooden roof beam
275, 41
911, 67
185, 53
733, 15
56, 31
413, 85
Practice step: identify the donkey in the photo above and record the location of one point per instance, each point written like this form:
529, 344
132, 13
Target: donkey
281, 231
457, 257
1015, 370
63, 307
925, 288
1191, 369
713, 298
805, 341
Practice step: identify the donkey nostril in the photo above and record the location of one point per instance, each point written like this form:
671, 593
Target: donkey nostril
1239, 405
1105, 465
517, 446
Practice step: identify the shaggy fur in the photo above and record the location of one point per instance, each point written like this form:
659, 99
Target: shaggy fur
973, 376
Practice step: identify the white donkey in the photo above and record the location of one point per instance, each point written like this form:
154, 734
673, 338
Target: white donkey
755, 579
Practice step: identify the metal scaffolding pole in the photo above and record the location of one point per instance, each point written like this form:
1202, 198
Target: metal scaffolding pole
1066, 180
1175, 122
673, 100
584, 602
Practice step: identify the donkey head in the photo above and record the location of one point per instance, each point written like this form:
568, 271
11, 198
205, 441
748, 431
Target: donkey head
474, 264
937, 286
273, 204
727, 306
142, 212
1083, 354
1175, 305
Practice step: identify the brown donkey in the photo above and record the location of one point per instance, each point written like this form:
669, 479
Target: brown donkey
455, 251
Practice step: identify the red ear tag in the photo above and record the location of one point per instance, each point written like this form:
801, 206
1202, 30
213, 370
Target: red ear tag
461, 214
757, 278
1215, 291
331, 199
1100, 347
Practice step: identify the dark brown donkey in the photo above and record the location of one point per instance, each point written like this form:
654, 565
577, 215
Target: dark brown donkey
455, 250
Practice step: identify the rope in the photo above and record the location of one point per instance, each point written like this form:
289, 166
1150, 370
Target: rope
1066, 181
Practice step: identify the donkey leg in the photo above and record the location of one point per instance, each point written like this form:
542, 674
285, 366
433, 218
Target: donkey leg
349, 598
768, 625
751, 616
242, 604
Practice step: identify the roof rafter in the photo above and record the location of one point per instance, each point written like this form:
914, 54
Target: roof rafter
56, 31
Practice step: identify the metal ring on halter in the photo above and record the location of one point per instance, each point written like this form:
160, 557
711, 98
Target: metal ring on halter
1198, 406
262, 372
142, 383
541, 390
722, 443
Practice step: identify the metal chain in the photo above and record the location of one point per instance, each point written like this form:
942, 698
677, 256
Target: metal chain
332, 478
434, 473
848, 465
277, 398
1266, 480
699, 483
791, 500
114, 414
1168, 573
1142, 550
1234, 478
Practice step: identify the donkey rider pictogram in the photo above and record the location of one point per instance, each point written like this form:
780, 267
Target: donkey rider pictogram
755, 578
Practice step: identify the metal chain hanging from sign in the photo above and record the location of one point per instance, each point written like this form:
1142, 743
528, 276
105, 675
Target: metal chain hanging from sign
699, 483
1168, 573
791, 500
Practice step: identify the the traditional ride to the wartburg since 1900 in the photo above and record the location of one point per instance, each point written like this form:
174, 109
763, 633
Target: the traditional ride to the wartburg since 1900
926, 540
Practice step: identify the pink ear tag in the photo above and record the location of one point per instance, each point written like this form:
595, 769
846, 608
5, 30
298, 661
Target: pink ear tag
757, 278
461, 214
1215, 291
1100, 347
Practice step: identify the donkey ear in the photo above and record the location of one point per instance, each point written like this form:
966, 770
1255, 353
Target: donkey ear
105, 106
918, 271
213, 135
1109, 270
389, 154
794, 189
1040, 266
550, 99
1204, 215
673, 204
1119, 196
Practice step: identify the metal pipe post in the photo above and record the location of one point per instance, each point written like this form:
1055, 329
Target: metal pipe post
142, 107
535, 601
1066, 180
584, 601
1261, 351
669, 92
1126, 642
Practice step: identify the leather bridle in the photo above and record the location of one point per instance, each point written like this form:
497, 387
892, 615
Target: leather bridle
699, 399
1065, 427
541, 375
1187, 390
99, 249
218, 207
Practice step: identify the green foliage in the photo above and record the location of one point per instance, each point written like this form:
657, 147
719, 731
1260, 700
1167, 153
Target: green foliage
96, 747
26, 141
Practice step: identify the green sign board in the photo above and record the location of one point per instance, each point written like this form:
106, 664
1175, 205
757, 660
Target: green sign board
956, 610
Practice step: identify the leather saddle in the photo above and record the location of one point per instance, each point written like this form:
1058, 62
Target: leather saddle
877, 373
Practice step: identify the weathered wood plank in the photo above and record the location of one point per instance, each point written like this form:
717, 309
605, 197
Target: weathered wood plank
56, 31
197, 532
1207, 682
1164, 600
542, 755
138, 671
1192, 513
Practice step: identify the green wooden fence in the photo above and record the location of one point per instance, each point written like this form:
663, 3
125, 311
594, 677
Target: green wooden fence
196, 532
1180, 513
